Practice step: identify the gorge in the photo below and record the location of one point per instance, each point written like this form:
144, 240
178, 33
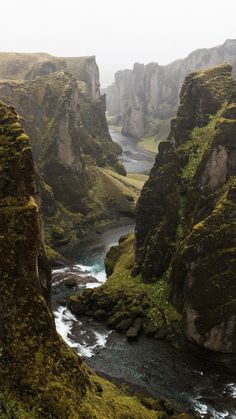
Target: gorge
143, 281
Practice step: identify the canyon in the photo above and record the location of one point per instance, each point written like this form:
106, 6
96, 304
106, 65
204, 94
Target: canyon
167, 285
40, 376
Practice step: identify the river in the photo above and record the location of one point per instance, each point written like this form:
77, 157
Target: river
134, 159
189, 379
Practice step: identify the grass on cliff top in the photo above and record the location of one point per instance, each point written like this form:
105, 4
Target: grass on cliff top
157, 132
156, 294
135, 181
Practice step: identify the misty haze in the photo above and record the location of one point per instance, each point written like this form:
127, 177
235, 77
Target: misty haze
118, 210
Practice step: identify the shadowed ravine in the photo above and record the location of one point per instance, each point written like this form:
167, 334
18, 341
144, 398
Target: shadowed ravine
191, 381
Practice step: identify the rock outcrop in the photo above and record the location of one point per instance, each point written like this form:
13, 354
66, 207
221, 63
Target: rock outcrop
148, 95
72, 147
40, 376
185, 222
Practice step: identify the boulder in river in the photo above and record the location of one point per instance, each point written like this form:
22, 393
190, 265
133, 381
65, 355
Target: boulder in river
132, 333
77, 305
124, 325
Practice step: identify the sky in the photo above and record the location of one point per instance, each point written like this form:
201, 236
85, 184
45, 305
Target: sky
118, 32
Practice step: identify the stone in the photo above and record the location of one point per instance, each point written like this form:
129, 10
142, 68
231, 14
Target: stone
124, 325
161, 333
118, 317
138, 324
77, 307
132, 334
100, 315
151, 329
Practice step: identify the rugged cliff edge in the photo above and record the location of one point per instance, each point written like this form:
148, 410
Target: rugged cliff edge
145, 98
40, 377
185, 223
72, 147
185, 236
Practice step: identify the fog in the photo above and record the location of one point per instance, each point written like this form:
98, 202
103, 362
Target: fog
120, 32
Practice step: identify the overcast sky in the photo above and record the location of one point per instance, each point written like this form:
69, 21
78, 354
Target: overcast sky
118, 32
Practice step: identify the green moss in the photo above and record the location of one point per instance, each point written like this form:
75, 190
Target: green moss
23, 137
52, 254
196, 147
100, 403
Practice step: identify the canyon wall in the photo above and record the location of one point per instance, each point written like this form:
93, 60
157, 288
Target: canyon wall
185, 217
149, 94
65, 119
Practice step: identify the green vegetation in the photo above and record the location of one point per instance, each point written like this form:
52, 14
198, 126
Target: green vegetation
150, 144
158, 131
133, 182
196, 146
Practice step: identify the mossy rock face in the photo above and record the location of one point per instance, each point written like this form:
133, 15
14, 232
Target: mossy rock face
185, 215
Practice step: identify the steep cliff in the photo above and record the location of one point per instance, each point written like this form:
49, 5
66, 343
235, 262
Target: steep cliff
40, 377
147, 96
72, 147
185, 222
33, 374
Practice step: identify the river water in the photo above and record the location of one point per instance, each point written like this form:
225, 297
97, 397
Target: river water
134, 159
191, 379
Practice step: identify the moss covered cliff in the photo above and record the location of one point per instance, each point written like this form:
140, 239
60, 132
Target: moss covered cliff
71, 144
185, 223
40, 377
